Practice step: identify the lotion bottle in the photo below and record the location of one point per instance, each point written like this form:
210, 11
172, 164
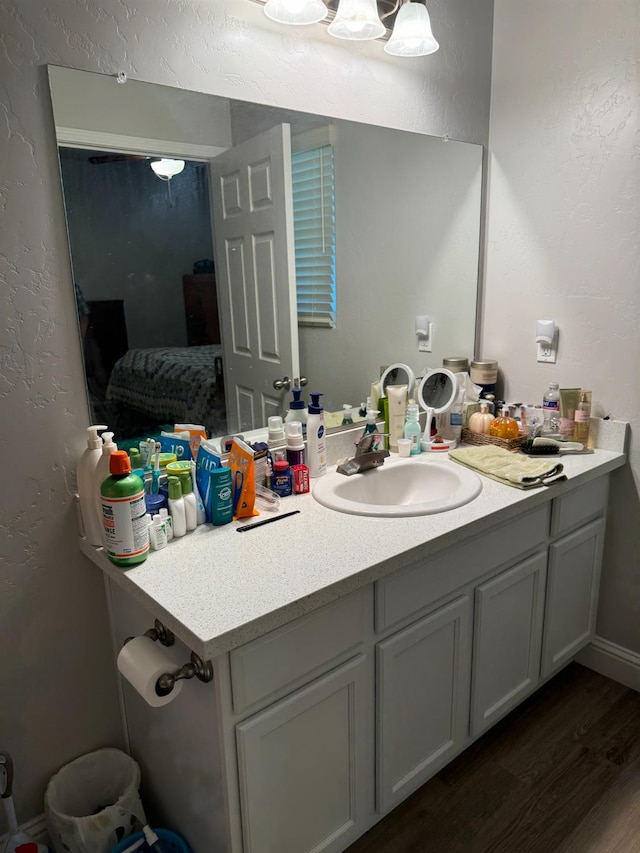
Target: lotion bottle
316, 443
189, 500
297, 410
86, 479
176, 507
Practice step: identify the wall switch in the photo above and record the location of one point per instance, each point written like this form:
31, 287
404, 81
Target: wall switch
547, 353
425, 343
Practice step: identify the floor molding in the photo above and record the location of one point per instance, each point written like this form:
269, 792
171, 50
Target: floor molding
612, 660
35, 828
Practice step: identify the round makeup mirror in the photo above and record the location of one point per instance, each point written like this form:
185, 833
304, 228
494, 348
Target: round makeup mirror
436, 393
398, 374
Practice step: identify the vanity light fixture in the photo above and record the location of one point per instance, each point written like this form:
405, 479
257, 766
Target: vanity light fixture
166, 168
357, 20
403, 24
296, 12
412, 35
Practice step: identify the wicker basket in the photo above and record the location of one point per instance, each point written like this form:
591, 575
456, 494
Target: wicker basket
480, 440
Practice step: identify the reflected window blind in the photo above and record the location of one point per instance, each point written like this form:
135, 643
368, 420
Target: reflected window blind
315, 236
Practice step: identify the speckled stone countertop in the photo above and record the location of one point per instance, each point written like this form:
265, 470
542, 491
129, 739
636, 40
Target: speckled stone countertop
217, 590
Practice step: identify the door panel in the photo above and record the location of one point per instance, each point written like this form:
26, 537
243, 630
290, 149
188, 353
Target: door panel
252, 213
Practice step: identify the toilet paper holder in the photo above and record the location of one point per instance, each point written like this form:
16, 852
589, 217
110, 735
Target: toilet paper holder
198, 668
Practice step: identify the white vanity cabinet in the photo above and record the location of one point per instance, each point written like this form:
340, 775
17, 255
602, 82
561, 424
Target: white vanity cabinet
328, 722
304, 766
507, 640
573, 582
423, 676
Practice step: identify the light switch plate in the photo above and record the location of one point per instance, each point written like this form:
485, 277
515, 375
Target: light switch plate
426, 344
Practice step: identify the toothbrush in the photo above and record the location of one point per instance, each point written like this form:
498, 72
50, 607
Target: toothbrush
155, 481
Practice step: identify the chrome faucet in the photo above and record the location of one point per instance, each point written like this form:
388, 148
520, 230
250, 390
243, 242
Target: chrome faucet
366, 457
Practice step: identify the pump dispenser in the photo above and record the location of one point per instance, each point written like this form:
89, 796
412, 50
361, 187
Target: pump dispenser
102, 469
316, 444
297, 410
371, 428
86, 479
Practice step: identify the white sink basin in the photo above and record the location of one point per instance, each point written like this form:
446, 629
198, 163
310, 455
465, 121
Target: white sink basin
400, 487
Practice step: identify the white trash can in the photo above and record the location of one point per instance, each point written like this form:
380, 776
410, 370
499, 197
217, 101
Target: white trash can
92, 803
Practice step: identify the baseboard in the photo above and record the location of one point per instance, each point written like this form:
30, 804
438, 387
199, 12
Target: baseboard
612, 660
35, 828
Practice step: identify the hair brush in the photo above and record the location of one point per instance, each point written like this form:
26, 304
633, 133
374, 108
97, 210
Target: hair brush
543, 446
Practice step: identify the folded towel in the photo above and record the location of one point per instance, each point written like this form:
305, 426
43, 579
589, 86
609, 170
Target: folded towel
512, 469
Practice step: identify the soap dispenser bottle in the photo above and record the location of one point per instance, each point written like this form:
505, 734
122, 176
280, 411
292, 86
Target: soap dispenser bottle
371, 428
297, 411
86, 480
316, 443
102, 470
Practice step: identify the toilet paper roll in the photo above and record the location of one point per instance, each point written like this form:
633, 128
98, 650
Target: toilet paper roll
142, 662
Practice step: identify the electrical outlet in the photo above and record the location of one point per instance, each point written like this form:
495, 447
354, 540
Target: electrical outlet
547, 353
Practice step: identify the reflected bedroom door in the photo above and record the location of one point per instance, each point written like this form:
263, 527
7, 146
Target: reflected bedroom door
252, 213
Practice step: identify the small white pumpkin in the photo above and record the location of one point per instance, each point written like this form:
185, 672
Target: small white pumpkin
480, 422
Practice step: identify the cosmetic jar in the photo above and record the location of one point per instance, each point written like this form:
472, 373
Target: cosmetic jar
456, 364
485, 374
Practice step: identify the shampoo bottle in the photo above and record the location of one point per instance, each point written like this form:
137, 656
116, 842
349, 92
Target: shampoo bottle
86, 479
126, 531
316, 443
176, 507
297, 410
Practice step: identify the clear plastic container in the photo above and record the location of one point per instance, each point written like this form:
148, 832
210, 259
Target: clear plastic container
551, 409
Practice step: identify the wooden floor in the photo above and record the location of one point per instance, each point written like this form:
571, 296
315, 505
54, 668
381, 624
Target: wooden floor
560, 774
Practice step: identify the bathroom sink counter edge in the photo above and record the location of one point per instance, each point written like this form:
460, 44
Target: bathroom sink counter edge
217, 590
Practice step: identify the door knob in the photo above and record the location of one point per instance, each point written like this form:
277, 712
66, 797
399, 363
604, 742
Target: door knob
279, 384
301, 382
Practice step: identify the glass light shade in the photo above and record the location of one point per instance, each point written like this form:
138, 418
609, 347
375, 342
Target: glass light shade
357, 20
412, 34
296, 12
166, 168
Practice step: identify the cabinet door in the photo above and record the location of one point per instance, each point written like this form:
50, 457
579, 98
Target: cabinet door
423, 700
306, 766
507, 640
572, 594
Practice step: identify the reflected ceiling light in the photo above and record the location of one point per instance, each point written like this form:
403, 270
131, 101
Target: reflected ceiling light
412, 35
166, 168
357, 20
296, 12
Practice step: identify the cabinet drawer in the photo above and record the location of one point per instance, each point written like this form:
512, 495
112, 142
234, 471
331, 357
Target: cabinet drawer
579, 506
406, 593
286, 658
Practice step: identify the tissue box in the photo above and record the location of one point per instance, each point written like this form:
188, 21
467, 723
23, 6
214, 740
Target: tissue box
467, 410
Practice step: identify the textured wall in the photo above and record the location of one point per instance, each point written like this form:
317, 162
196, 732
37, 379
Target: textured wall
57, 683
564, 233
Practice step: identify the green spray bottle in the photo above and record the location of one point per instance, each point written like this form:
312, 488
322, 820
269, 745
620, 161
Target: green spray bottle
126, 531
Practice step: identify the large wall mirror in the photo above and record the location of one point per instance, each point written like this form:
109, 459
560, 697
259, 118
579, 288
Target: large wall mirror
290, 246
